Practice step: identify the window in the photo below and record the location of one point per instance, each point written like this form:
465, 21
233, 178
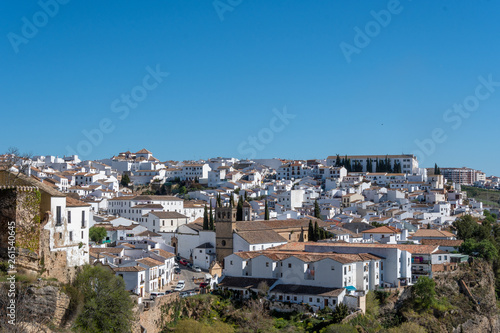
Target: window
349, 268
294, 298
71, 236
58, 215
231, 262
333, 268
289, 265
439, 258
83, 217
267, 264
317, 300
445, 257
82, 235
310, 299
69, 217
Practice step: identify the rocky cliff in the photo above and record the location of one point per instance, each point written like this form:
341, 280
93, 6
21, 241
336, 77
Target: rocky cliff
469, 295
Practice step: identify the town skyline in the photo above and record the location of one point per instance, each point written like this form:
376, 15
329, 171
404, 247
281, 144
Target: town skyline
189, 90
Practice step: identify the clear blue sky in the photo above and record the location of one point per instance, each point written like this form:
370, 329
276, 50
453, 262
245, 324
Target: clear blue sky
226, 76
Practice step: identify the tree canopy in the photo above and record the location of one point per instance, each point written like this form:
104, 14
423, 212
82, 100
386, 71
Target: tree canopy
107, 305
97, 234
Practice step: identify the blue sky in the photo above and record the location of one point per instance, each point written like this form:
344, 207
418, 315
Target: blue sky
233, 65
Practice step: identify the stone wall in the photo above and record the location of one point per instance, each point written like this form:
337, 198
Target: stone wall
156, 316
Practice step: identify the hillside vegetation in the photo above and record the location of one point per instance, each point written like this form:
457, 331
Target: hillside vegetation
432, 305
487, 197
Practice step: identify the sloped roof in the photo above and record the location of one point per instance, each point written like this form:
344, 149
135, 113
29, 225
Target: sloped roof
129, 269
307, 290
169, 215
71, 202
442, 242
383, 230
150, 262
261, 237
430, 233
163, 253
148, 233
245, 282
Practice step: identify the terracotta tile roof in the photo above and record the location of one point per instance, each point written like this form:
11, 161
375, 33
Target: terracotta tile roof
277, 254
196, 225
442, 242
129, 269
150, 262
168, 215
71, 202
163, 253
261, 237
97, 250
430, 233
148, 233
414, 249
383, 230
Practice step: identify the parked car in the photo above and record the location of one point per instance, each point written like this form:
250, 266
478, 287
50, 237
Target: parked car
183, 262
177, 258
184, 294
179, 286
155, 294
177, 270
196, 268
189, 265
176, 265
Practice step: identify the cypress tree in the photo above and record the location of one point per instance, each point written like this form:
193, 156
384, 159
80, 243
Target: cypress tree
317, 210
337, 162
316, 232
310, 231
205, 219
266, 212
239, 209
211, 223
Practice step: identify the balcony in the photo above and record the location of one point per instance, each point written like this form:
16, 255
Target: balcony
142, 281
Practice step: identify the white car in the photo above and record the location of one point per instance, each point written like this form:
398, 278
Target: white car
155, 294
196, 268
180, 285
